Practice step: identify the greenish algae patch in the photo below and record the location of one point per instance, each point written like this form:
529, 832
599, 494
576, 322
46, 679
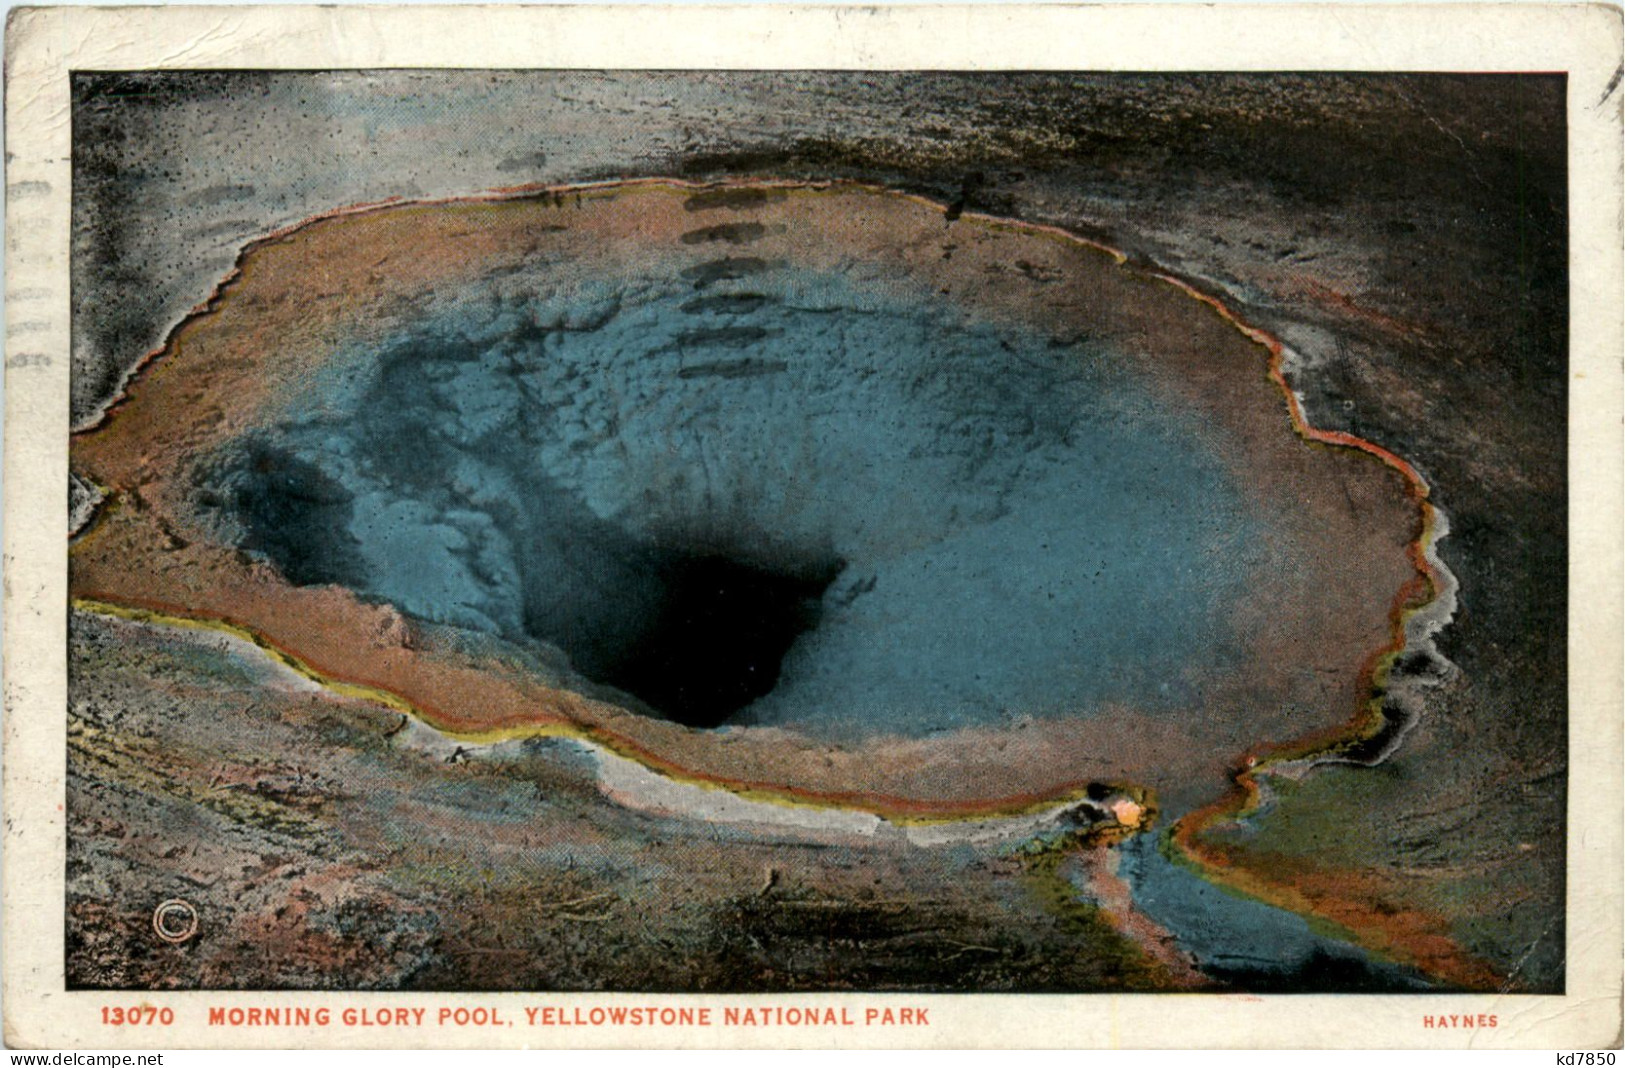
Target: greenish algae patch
143, 764
1339, 825
1113, 952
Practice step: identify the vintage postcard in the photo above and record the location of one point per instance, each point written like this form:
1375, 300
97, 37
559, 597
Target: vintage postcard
675, 526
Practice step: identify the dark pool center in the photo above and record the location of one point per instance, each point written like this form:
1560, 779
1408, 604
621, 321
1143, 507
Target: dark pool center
764, 496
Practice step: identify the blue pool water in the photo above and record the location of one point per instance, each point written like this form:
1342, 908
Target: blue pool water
1254, 945
763, 496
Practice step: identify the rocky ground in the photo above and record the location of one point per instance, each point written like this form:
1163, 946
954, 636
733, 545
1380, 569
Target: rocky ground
322, 845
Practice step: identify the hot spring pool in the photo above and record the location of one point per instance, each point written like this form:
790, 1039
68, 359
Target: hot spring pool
805, 490
764, 496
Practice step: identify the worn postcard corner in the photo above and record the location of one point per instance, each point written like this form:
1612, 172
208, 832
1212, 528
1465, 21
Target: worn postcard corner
585, 530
